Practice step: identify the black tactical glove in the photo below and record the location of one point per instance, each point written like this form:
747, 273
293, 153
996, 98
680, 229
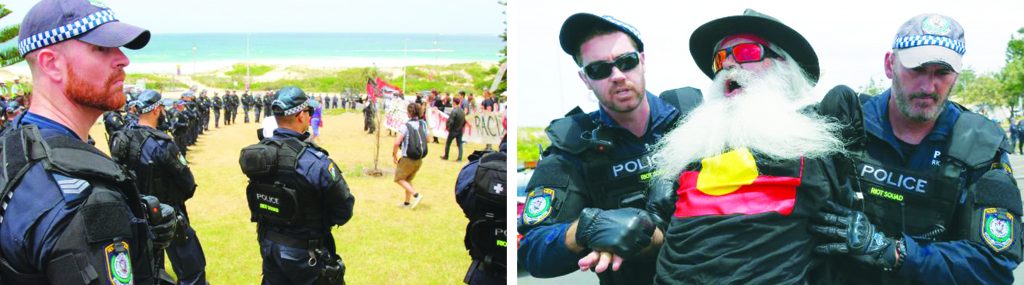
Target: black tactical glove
857, 238
623, 231
661, 202
165, 227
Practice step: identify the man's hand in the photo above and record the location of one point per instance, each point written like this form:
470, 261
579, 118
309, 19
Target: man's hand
856, 237
624, 232
164, 230
602, 260
661, 201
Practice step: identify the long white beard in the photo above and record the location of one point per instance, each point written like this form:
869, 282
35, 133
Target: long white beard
765, 117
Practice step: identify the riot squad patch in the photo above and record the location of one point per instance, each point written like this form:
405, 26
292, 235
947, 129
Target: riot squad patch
997, 228
119, 263
538, 206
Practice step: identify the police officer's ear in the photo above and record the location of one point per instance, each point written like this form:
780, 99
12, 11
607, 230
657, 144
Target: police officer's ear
49, 61
890, 59
586, 80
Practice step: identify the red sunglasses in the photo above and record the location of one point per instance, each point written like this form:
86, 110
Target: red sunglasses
742, 53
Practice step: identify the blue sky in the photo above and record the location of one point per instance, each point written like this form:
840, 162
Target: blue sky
312, 16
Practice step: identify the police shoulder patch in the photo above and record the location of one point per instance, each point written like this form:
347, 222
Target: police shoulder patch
333, 170
119, 263
997, 228
538, 206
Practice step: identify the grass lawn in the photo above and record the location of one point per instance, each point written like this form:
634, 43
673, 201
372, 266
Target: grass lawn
528, 139
382, 244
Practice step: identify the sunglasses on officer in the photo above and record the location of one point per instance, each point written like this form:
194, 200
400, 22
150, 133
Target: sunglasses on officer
602, 69
742, 53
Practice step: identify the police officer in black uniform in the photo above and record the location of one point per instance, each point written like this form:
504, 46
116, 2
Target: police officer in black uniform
269, 98
204, 111
162, 171
258, 106
71, 215
228, 106
247, 102
296, 194
587, 195
217, 104
933, 199
234, 106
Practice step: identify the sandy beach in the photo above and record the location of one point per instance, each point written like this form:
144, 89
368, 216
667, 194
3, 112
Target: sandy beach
283, 68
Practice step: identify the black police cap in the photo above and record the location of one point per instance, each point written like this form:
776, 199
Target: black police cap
147, 101
289, 101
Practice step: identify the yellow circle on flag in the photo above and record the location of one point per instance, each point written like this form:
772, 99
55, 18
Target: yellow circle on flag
724, 173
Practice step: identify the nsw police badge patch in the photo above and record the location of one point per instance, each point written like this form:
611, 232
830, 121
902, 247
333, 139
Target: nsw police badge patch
538, 206
997, 228
119, 263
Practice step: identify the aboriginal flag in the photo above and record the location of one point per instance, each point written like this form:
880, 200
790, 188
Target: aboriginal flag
736, 183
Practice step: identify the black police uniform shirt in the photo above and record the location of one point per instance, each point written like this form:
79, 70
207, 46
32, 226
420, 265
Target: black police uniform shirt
321, 172
41, 209
551, 208
741, 218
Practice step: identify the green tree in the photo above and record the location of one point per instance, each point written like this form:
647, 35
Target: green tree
981, 89
874, 87
504, 50
1013, 73
10, 55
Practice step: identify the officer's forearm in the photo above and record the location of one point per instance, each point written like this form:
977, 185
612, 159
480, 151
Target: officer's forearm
956, 262
570, 238
657, 239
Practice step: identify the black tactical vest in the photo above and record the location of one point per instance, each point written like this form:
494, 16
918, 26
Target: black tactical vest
113, 209
615, 180
923, 204
485, 233
277, 194
126, 149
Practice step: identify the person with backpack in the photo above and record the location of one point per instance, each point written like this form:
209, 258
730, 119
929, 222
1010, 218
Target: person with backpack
481, 191
408, 153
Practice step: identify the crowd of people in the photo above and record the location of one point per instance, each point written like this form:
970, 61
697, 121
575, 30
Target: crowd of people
74, 215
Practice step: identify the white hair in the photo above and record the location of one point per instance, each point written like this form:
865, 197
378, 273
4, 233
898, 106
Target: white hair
766, 117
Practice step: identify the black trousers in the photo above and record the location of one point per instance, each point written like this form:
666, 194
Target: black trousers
448, 144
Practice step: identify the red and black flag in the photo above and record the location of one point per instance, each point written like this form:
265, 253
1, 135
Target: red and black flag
736, 183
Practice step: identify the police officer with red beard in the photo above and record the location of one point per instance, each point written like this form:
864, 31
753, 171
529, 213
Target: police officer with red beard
744, 173
70, 214
587, 194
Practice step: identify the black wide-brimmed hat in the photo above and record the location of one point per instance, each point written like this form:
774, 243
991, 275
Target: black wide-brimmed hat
704, 39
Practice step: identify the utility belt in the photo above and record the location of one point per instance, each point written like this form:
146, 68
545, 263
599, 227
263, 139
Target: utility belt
332, 271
